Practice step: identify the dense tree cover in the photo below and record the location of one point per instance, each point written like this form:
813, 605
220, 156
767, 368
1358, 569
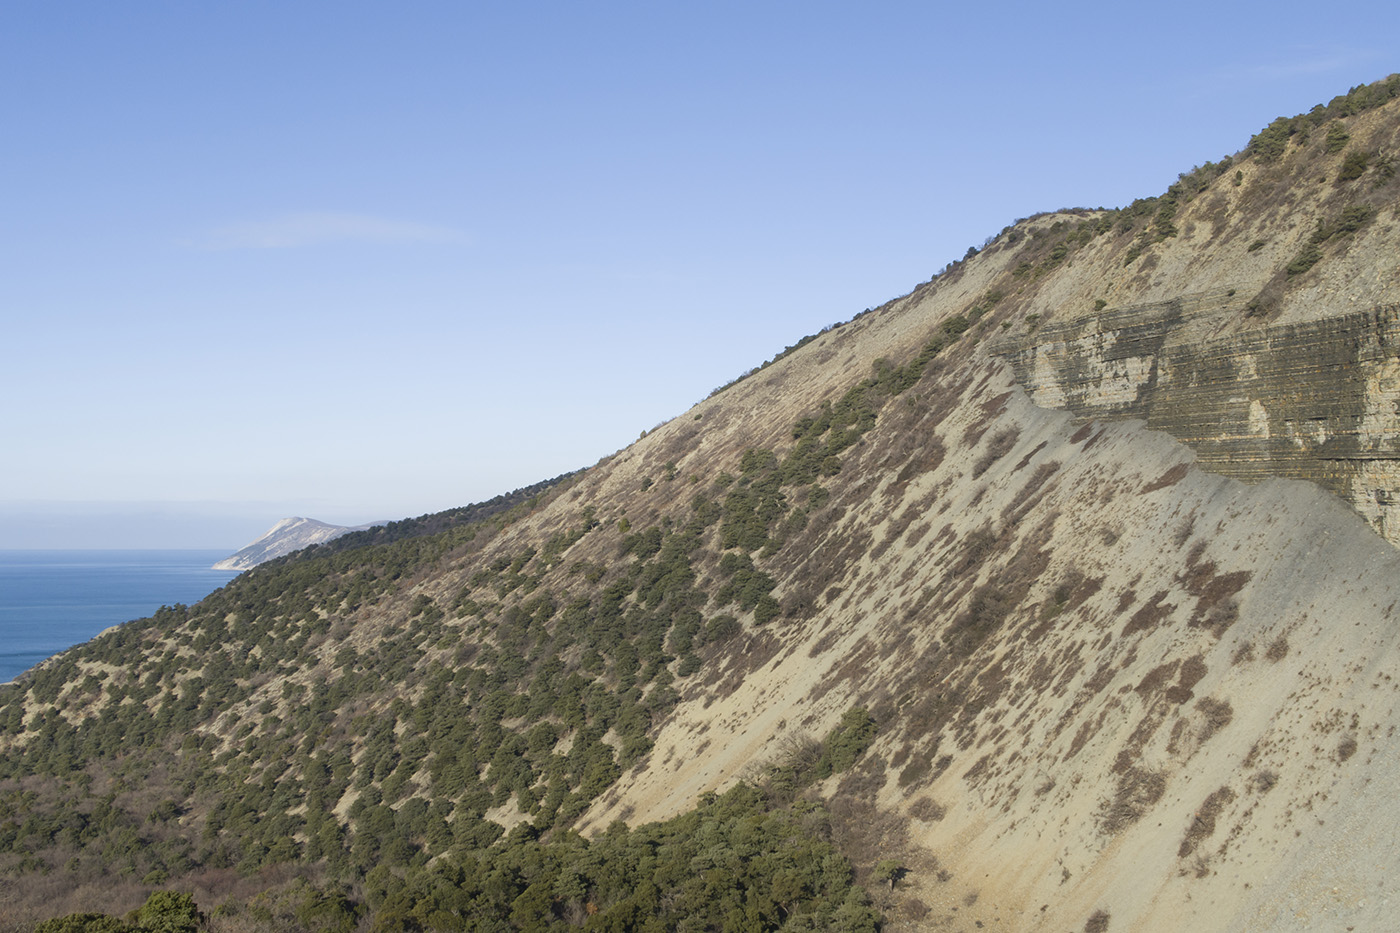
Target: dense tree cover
261, 728
734, 863
163, 912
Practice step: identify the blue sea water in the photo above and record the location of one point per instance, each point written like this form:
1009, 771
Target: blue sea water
52, 600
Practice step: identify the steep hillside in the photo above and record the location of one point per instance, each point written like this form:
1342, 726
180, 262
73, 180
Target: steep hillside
1054, 595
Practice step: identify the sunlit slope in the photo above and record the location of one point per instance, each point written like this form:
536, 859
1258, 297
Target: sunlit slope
1094, 525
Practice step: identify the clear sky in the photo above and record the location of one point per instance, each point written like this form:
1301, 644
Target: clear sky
360, 261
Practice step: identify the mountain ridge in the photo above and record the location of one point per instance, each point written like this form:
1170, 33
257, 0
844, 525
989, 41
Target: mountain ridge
1111, 690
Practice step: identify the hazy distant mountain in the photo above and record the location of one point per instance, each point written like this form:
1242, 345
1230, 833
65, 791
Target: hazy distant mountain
288, 535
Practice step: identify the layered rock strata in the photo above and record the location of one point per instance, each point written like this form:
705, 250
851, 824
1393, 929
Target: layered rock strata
1318, 401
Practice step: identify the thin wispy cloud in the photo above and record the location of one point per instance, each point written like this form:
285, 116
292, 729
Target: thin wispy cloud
1280, 67
1284, 70
1300, 62
318, 228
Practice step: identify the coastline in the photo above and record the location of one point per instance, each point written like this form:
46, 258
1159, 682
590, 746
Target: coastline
52, 600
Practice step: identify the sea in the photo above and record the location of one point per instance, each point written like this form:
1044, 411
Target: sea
52, 600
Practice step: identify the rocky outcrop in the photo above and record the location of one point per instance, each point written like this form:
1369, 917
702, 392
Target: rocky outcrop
1318, 401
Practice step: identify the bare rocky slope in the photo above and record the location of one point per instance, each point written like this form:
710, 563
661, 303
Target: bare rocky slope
1097, 524
1184, 712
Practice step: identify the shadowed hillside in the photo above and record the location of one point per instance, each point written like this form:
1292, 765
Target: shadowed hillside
1056, 594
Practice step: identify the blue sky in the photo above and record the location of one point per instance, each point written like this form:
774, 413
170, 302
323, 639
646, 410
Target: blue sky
359, 261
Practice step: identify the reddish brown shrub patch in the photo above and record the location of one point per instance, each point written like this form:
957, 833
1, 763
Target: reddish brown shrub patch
917, 533
1026, 499
926, 808
1192, 670
900, 524
1098, 436
978, 769
1154, 680
1203, 820
1102, 678
925, 460
996, 404
914, 772
997, 448
1082, 736
977, 547
1138, 789
1217, 713
1150, 615
1027, 458
1216, 608
1170, 478
1174, 740
1075, 589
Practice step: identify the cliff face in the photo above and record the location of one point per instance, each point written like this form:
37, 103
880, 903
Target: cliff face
1317, 401
1088, 523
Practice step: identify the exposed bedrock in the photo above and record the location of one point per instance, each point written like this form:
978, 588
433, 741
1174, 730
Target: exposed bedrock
1318, 401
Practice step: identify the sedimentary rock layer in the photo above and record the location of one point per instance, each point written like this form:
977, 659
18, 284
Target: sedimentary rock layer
1318, 401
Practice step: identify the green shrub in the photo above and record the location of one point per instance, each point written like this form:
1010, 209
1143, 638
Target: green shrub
766, 609
1337, 138
1384, 166
889, 870
1354, 165
168, 912
83, 923
1269, 143
1354, 217
1305, 260
721, 628
847, 742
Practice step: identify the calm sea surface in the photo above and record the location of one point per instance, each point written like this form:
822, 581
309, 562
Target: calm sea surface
52, 600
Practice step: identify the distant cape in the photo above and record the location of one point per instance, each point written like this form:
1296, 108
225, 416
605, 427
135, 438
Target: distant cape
288, 535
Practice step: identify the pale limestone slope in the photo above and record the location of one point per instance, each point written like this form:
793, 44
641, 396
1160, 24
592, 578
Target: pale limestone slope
1044, 755
1183, 712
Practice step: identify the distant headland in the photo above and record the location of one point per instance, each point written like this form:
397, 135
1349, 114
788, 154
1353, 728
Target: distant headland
288, 535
